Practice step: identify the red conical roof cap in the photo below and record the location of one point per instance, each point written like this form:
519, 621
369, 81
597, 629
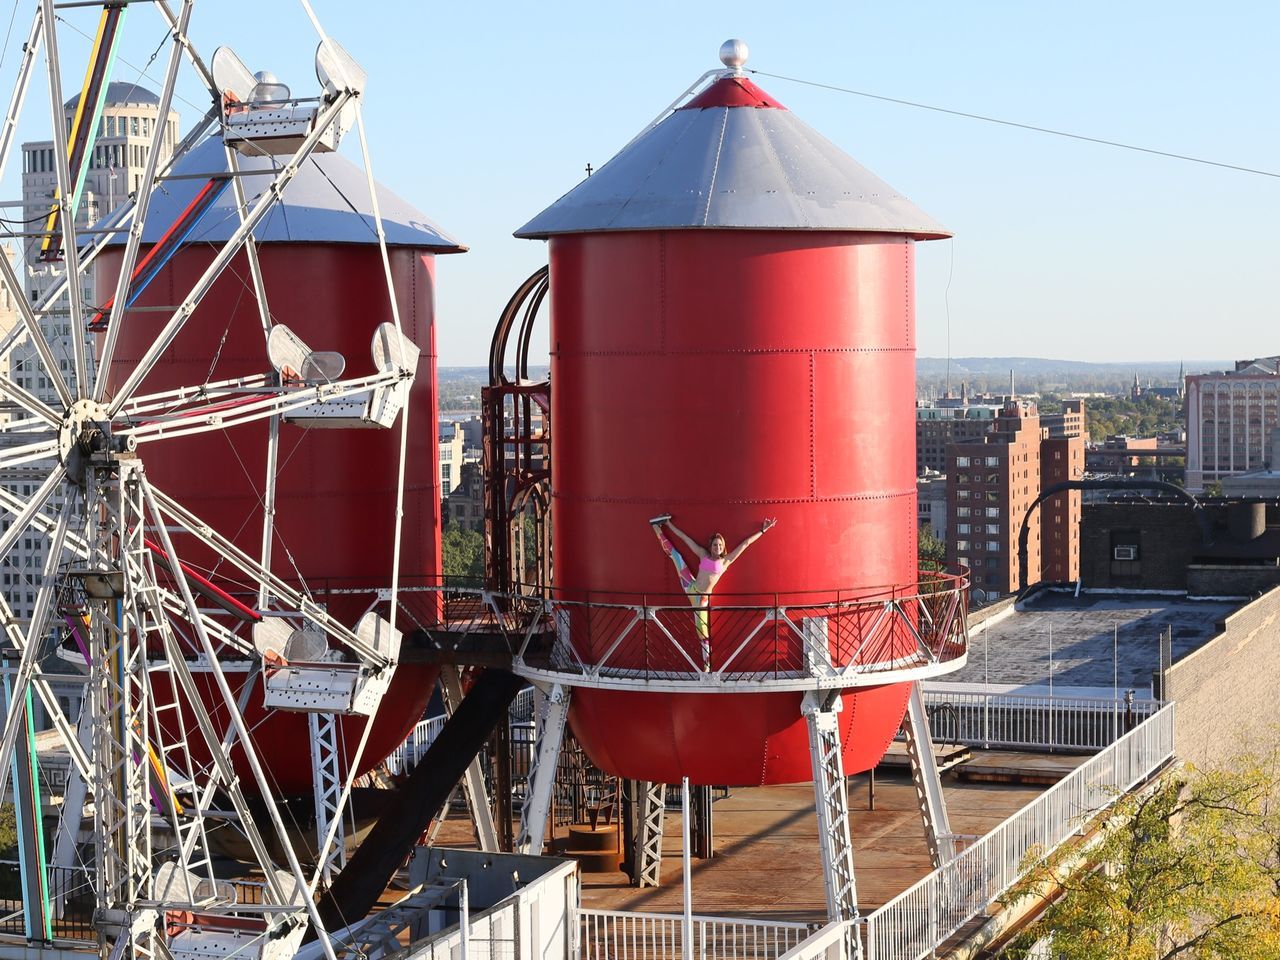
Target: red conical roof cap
732, 92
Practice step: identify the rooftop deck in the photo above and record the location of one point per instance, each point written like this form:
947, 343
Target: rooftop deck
767, 863
1016, 649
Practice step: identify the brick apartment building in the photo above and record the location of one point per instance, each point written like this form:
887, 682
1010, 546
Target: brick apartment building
939, 425
992, 483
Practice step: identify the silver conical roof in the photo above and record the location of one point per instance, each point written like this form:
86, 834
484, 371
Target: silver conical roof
327, 202
733, 159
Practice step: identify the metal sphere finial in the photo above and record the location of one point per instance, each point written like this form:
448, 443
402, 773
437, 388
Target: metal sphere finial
734, 53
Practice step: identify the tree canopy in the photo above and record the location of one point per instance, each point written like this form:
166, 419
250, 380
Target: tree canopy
1192, 872
462, 553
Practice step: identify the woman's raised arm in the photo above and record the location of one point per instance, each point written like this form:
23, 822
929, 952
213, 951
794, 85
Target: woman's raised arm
740, 548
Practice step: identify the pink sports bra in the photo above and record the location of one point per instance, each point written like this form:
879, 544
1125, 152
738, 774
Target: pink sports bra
712, 566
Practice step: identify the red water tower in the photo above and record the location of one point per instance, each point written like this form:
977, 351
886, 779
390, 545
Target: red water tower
335, 488
732, 340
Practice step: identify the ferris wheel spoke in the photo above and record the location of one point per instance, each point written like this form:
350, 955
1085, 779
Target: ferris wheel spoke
290, 598
395, 314
29, 402
169, 401
237, 721
253, 407
30, 50
143, 194
41, 449
28, 674
77, 544
65, 200
26, 516
107, 227
34, 332
270, 195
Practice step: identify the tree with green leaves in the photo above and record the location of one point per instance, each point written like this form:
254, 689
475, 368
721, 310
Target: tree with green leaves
930, 551
462, 554
1189, 868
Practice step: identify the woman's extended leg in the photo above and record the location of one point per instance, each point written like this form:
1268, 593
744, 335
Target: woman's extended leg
702, 623
699, 601
682, 568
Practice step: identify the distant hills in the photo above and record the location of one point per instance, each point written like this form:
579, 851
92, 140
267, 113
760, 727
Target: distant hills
982, 374
1043, 367
1040, 374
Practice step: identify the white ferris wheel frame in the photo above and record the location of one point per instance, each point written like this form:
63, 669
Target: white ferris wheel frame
114, 502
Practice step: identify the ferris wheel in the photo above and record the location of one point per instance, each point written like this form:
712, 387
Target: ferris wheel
124, 586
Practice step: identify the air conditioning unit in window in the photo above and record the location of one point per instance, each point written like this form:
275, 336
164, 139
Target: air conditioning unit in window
1125, 553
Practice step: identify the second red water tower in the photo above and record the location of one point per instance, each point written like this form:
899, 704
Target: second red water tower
732, 339
334, 523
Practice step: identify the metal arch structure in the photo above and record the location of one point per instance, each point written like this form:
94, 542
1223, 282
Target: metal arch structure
114, 573
516, 487
1115, 483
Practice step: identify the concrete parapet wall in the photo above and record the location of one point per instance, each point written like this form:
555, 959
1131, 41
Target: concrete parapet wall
1205, 580
1226, 689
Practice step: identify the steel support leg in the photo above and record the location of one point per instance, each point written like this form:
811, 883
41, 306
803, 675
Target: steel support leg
821, 711
473, 780
551, 713
928, 782
652, 806
326, 784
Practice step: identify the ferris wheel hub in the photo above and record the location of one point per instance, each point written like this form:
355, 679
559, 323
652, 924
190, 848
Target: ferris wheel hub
85, 435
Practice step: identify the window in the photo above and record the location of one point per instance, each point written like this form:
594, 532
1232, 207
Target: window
993, 461
962, 478
962, 546
993, 478
962, 528
993, 528
133, 126
962, 461
993, 512
962, 511
962, 494
993, 496
963, 561
993, 546
992, 561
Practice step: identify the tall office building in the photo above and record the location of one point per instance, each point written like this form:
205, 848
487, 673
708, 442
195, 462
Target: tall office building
1231, 418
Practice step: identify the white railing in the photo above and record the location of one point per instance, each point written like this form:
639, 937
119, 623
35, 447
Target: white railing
491, 935
406, 756
521, 708
920, 919
803, 641
614, 935
829, 943
1024, 721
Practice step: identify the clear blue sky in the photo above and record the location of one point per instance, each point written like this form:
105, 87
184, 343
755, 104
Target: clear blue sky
483, 114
